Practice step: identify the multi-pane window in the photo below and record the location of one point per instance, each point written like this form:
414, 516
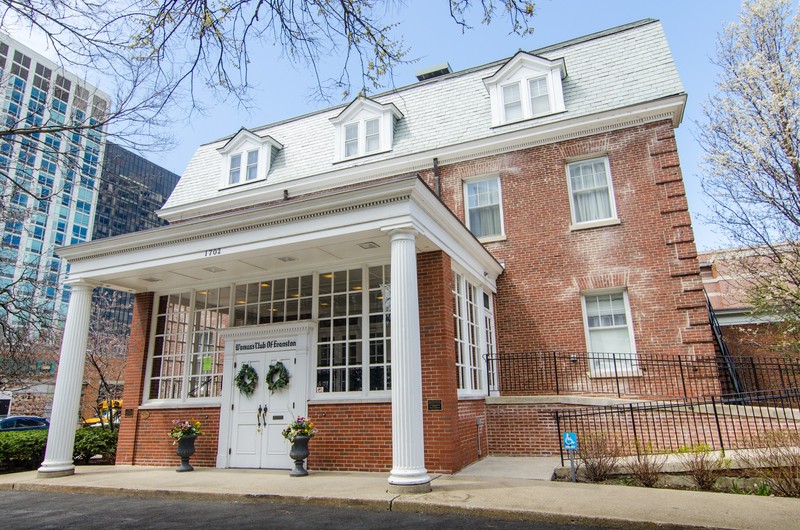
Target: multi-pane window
525, 99
512, 102
488, 328
540, 99
351, 139
353, 344
608, 331
372, 135
362, 138
483, 203
250, 169
235, 169
21, 65
170, 346
590, 190
271, 301
346, 301
469, 334
211, 312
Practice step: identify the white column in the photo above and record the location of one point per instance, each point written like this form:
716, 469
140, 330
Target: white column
67, 398
408, 442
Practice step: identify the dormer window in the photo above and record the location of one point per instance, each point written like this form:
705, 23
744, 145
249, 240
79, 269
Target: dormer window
248, 158
364, 128
526, 87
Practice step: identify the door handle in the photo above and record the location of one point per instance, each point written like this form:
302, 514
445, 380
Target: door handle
258, 417
265, 415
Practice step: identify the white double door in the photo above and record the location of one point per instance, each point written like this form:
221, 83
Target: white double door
258, 420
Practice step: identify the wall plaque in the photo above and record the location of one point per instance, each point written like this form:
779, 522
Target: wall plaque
435, 404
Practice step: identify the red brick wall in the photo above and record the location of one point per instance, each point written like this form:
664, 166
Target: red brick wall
134, 377
523, 430
351, 436
155, 447
651, 251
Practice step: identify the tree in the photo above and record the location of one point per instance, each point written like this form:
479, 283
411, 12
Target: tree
751, 138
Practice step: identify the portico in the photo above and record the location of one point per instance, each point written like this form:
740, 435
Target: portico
373, 232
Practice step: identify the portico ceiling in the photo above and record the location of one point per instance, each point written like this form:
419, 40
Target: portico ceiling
311, 233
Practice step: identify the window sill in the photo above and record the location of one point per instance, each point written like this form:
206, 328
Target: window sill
594, 224
347, 400
340, 398
528, 118
492, 239
164, 404
240, 184
612, 375
357, 157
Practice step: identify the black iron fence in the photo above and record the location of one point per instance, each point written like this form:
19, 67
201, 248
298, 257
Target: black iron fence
730, 421
627, 375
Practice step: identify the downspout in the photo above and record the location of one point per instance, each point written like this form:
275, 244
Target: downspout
437, 185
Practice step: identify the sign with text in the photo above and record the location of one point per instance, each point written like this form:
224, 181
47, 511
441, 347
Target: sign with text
265, 345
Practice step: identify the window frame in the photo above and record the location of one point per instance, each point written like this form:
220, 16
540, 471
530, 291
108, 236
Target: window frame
613, 219
471, 375
523, 85
467, 209
240, 147
624, 367
361, 126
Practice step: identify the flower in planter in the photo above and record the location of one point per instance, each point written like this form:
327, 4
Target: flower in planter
183, 428
299, 427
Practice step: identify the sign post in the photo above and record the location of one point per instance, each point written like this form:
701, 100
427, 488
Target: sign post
569, 440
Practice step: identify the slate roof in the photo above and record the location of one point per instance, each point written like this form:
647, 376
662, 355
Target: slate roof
614, 68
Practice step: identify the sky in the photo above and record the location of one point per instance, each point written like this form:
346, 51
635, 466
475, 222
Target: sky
283, 90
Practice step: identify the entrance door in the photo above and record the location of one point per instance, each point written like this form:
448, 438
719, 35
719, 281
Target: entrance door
257, 420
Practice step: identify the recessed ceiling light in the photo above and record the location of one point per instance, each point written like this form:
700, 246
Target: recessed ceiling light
264, 284
368, 244
327, 275
213, 270
287, 259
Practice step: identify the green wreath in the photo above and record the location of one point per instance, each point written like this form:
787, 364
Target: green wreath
246, 380
281, 381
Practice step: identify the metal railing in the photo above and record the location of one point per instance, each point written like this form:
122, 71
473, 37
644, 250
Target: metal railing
730, 421
661, 376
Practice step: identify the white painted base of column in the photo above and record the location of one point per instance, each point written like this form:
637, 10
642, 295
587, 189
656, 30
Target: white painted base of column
56, 469
409, 481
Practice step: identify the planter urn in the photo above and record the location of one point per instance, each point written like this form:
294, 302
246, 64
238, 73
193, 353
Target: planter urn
185, 450
299, 453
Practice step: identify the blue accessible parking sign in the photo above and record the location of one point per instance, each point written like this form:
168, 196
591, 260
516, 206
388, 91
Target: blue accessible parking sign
570, 441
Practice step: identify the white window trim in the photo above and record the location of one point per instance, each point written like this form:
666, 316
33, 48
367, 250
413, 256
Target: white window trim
595, 223
521, 69
359, 112
480, 178
241, 144
470, 391
631, 371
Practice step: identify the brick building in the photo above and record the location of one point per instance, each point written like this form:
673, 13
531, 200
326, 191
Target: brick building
383, 250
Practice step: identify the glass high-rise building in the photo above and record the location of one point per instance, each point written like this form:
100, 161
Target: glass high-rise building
49, 175
131, 190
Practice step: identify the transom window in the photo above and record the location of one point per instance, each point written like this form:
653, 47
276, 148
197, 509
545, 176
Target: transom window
591, 193
484, 207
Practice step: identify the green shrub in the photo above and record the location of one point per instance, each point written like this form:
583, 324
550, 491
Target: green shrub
22, 449
90, 442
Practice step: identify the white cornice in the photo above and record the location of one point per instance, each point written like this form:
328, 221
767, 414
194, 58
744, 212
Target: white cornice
501, 141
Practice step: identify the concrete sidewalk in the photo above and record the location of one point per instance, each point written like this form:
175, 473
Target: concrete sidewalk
479, 490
